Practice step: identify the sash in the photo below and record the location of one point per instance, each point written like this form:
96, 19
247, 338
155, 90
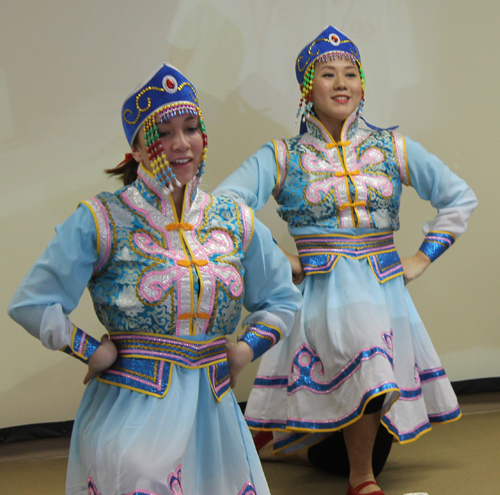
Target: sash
320, 253
145, 362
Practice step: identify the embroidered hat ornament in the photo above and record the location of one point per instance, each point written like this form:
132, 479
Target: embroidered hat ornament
330, 44
166, 94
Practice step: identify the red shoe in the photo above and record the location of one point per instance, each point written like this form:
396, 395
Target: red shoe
355, 491
262, 438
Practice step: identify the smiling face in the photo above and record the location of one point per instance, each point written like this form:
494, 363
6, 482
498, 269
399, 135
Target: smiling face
182, 142
336, 93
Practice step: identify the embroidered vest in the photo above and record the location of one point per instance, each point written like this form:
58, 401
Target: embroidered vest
158, 276
355, 183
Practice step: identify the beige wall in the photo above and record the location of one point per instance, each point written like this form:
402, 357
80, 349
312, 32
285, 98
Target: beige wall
66, 67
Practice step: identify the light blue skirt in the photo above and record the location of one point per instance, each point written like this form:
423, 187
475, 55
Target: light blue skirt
187, 443
355, 339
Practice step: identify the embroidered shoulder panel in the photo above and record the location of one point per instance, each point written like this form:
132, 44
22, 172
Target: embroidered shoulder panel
104, 227
281, 156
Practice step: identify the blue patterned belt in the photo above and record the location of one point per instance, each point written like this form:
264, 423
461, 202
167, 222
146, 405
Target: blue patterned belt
145, 360
320, 253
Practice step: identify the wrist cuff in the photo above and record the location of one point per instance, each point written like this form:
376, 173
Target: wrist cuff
81, 346
260, 338
436, 243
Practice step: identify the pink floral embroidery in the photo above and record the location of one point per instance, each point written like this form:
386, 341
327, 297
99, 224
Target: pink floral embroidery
220, 243
248, 489
92, 487
388, 339
325, 181
155, 283
174, 481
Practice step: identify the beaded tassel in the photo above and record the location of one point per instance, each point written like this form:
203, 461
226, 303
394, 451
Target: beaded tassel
201, 168
156, 154
172, 111
159, 164
305, 105
362, 102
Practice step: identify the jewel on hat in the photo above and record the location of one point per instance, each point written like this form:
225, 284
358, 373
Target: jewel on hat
166, 94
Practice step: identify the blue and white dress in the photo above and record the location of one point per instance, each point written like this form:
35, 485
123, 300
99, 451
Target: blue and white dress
359, 334
162, 420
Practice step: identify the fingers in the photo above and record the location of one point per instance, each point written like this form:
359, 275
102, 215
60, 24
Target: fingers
298, 277
88, 377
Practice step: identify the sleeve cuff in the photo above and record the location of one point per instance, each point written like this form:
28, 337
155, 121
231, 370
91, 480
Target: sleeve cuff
82, 346
260, 338
436, 243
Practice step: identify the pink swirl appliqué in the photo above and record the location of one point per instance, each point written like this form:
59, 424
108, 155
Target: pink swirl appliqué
248, 489
174, 481
220, 243
155, 283
325, 180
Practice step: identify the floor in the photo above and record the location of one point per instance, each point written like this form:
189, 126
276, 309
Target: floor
461, 458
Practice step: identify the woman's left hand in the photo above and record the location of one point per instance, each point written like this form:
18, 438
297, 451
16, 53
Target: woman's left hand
239, 354
414, 266
103, 357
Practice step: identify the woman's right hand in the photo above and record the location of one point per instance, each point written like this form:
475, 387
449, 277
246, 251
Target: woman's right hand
414, 266
297, 270
239, 354
104, 356
298, 273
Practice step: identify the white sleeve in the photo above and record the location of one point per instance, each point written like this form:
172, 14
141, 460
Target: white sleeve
253, 182
270, 295
448, 193
54, 285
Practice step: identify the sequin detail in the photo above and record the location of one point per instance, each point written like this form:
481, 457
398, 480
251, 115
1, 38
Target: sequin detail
270, 381
218, 376
165, 88
173, 276
313, 426
356, 185
429, 375
145, 361
319, 254
414, 433
436, 243
105, 231
81, 346
260, 338
190, 354
307, 365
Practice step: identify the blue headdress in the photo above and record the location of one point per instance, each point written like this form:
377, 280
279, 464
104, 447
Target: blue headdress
164, 95
330, 44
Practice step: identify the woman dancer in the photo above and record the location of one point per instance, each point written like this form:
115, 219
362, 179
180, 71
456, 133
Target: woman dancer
168, 267
359, 354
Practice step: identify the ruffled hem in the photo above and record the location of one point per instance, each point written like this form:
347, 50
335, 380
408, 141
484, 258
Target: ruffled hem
354, 340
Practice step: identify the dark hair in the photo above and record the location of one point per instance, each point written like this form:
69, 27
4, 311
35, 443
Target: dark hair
126, 171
